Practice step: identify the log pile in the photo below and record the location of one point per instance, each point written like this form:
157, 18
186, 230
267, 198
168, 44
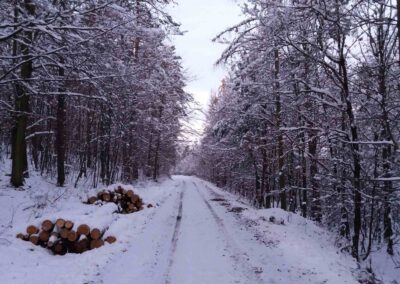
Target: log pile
61, 237
126, 200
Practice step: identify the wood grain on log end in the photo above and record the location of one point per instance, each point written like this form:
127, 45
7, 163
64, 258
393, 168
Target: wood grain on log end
44, 236
92, 199
111, 239
72, 236
20, 236
95, 234
83, 230
34, 239
47, 225
69, 225
64, 233
31, 230
94, 244
60, 223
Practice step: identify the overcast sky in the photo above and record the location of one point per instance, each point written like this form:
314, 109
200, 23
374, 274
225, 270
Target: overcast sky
203, 20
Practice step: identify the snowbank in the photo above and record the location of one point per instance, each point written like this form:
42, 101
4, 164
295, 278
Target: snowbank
22, 262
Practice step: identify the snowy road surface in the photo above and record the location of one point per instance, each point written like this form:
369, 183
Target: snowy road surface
196, 237
195, 233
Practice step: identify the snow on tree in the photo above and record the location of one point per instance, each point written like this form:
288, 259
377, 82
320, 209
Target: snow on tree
90, 89
307, 120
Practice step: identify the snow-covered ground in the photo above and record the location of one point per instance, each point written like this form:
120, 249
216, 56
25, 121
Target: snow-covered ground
196, 233
21, 262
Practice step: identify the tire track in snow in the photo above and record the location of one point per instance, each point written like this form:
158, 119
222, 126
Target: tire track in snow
159, 258
175, 237
240, 258
252, 226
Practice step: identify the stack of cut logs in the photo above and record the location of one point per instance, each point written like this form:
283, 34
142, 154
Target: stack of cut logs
126, 200
61, 238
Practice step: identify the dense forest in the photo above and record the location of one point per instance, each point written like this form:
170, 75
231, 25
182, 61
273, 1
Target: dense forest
308, 119
89, 90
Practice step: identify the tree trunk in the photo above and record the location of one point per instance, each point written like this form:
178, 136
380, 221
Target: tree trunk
35, 144
257, 198
278, 106
156, 158
19, 155
60, 131
265, 194
19, 163
149, 152
105, 132
386, 133
316, 203
398, 28
355, 149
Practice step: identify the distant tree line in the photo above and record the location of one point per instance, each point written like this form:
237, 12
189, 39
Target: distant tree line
309, 118
89, 89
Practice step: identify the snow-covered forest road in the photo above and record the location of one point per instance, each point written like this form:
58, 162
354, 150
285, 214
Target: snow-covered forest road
200, 234
194, 233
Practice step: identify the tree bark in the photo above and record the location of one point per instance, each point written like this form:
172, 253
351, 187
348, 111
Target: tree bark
278, 110
60, 131
398, 28
19, 155
156, 158
316, 203
355, 149
105, 132
386, 130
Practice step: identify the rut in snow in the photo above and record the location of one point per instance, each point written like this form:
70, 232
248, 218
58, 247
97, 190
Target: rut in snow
240, 258
174, 241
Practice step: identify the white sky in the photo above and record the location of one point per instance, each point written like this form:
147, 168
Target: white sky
203, 20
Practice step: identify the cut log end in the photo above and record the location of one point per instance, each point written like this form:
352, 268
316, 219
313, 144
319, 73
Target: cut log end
31, 230
60, 248
20, 236
94, 244
92, 199
44, 236
100, 194
34, 239
130, 193
47, 225
83, 230
111, 239
60, 223
72, 236
82, 245
64, 233
69, 225
106, 197
95, 234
